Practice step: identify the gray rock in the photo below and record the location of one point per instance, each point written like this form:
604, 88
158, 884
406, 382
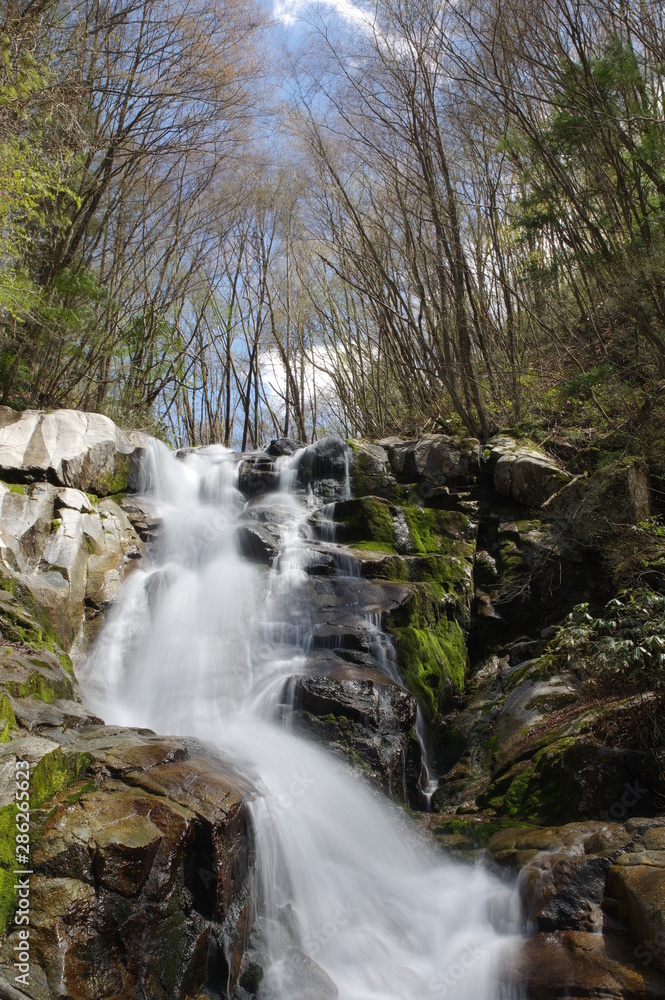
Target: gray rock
284, 446
83, 450
435, 459
523, 472
300, 978
329, 458
258, 474
257, 543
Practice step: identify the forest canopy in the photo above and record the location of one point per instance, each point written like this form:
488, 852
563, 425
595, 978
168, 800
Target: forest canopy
438, 215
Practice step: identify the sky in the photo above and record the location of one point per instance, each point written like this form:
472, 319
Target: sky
288, 12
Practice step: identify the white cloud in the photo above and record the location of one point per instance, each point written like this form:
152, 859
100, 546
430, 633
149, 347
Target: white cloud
288, 12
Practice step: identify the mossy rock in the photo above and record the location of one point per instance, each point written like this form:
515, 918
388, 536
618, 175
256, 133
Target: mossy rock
366, 521
15, 487
431, 530
41, 687
572, 778
55, 772
7, 719
432, 661
116, 480
22, 621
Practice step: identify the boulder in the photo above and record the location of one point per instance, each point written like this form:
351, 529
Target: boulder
257, 474
523, 472
257, 543
435, 459
65, 551
639, 888
577, 964
326, 459
365, 718
284, 446
141, 877
142, 517
67, 447
371, 470
298, 977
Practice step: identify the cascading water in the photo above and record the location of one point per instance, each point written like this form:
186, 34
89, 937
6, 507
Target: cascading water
201, 644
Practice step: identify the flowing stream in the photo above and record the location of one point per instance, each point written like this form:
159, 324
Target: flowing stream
200, 645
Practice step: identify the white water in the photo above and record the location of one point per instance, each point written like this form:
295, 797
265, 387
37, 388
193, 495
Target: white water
200, 645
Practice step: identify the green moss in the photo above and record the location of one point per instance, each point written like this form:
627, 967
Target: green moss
23, 621
40, 687
539, 669
251, 977
55, 524
7, 863
446, 575
7, 718
78, 793
55, 772
479, 832
93, 498
543, 788
8, 584
512, 560
375, 547
368, 521
430, 530
514, 800
432, 662
66, 664
14, 487
117, 480
394, 568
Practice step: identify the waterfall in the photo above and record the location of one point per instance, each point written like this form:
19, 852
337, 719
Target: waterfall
200, 644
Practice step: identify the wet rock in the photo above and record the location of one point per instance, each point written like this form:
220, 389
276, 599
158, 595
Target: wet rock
366, 718
300, 978
640, 892
280, 447
141, 870
257, 474
82, 450
565, 892
339, 601
577, 964
326, 459
257, 543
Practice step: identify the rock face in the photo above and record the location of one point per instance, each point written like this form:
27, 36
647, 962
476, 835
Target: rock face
142, 881
83, 450
366, 718
65, 551
141, 872
435, 458
139, 844
524, 473
593, 893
